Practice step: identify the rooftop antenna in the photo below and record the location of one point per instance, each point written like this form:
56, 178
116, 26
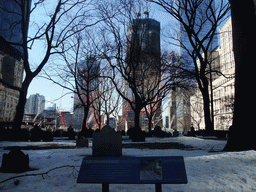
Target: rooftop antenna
138, 14
146, 12
147, 9
137, 9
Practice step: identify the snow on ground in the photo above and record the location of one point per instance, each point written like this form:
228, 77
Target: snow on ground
206, 171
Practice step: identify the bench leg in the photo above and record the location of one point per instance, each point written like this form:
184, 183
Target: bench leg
105, 187
158, 187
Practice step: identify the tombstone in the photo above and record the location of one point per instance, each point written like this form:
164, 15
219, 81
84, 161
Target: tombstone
86, 132
175, 133
36, 134
47, 136
107, 143
82, 142
136, 134
158, 132
15, 161
71, 134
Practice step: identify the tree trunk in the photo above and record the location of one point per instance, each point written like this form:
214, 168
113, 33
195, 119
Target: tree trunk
84, 118
107, 118
20, 108
207, 113
137, 118
242, 133
20, 111
149, 125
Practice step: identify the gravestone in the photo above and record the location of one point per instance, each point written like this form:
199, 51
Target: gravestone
36, 134
82, 142
47, 136
15, 161
71, 134
136, 134
107, 143
175, 133
158, 132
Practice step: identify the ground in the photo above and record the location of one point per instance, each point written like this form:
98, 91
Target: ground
207, 168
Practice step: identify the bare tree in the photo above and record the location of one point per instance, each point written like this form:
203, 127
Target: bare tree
242, 134
107, 99
80, 73
148, 77
199, 20
54, 32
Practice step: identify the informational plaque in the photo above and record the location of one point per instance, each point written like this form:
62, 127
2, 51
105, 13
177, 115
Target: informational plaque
133, 170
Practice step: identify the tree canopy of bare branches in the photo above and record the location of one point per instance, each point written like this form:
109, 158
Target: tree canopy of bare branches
134, 57
199, 20
57, 28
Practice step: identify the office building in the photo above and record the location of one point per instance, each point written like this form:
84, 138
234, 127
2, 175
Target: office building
35, 104
90, 67
223, 86
11, 63
179, 111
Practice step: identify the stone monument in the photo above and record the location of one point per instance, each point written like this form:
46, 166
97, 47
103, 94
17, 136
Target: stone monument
15, 161
107, 143
82, 142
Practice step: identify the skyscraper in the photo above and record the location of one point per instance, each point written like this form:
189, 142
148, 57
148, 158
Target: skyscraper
143, 61
35, 104
90, 68
197, 12
11, 63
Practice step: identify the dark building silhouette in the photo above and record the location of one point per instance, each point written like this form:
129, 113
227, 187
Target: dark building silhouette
11, 63
143, 59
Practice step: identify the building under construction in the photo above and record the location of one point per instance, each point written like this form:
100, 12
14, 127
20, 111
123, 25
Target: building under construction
89, 67
143, 53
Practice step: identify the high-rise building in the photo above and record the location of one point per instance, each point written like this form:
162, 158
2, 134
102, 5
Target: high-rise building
35, 104
223, 87
180, 100
11, 63
143, 60
89, 67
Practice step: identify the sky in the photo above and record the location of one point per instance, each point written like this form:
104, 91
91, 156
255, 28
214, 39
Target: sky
52, 92
206, 171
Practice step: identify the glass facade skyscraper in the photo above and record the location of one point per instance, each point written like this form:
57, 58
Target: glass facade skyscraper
198, 20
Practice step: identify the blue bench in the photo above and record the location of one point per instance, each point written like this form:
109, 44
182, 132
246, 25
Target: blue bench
133, 170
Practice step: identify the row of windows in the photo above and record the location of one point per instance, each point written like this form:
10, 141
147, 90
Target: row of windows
224, 91
224, 104
7, 113
222, 82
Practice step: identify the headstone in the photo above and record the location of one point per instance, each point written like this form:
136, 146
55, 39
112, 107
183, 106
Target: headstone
136, 135
175, 133
82, 142
107, 143
87, 133
71, 134
47, 136
158, 132
36, 134
15, 161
